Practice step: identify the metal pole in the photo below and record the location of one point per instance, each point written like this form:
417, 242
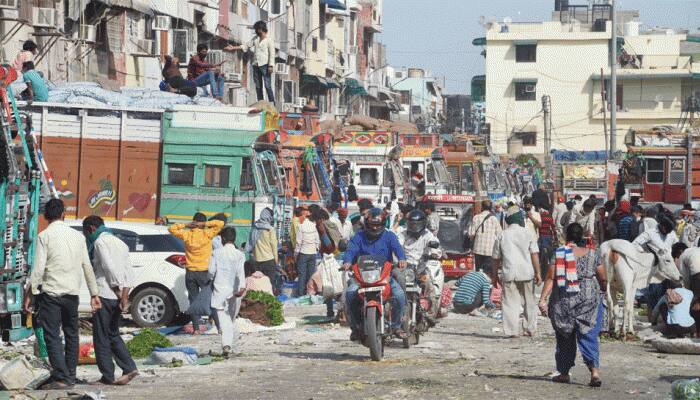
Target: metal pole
410, 105
546, 103
613, 82
463, 120
690, 144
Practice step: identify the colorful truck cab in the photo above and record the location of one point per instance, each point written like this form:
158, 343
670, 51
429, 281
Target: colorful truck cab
430, 163
213, 162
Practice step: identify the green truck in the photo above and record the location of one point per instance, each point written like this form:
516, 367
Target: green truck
215, 160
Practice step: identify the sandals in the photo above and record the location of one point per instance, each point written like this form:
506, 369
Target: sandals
595, 382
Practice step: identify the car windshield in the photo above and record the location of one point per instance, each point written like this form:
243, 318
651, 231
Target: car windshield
161, 244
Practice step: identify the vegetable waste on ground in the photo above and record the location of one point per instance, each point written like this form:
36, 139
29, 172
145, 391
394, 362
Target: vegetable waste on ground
143, 344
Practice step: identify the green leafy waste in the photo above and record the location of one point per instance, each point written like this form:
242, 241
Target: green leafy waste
143, 344
273, 306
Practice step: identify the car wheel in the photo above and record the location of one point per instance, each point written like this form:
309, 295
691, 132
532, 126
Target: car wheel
152, 307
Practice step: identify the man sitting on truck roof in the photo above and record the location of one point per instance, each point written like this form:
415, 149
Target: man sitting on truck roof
203, 73
36, 87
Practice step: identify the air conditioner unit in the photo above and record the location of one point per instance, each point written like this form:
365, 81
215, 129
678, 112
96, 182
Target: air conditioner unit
144, 46
301, 102
44, 17
11, 4
282, 69
88, 33
352, 50
215, 57
530, 88
161, 23
233, 77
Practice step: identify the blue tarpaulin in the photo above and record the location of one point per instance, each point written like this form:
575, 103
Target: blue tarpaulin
565, 155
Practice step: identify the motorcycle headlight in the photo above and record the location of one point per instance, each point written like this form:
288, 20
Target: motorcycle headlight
371, 276
410, 275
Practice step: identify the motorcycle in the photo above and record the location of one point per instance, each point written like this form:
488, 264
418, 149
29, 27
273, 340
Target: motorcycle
373, 276
433, 267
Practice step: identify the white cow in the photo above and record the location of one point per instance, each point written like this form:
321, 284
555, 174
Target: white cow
624, 260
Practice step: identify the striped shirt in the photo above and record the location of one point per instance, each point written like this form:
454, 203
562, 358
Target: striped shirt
547, 227
469, 286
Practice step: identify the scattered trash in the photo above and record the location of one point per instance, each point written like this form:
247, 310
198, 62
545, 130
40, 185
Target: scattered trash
87, 395
315, 329
171, 355
686, 389
143, 344
23, 373
496, 329
262, 308
206, 360
429, 345
488, 388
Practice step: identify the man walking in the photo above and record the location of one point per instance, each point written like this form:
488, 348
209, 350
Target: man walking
61, 262
110, 260
483, 232
306, 248
198, 237
516, 248
263, 60
227, 271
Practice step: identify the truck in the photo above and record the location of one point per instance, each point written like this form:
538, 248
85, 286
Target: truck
430, 163
581, 173
370, 162
21, 183
215, 161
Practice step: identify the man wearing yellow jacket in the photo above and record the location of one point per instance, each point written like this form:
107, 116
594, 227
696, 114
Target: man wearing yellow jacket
198, 237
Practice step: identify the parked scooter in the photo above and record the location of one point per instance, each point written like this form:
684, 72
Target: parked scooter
373, 275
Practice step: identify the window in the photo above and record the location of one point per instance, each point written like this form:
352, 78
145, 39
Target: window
655, 170
233, 6
181, 174
525, 91
528, 138
525, 52
300, 41
416, 110
314, 44
322, 21
160, 244
276, 6
180, 41
369, 176
430, 173
405, 96
216, 176
676, 172
398, 75
247, 177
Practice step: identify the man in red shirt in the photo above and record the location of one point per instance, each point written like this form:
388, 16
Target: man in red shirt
202, 73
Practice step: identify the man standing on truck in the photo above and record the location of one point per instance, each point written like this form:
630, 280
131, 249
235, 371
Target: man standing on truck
263, 60
113, 273
61, 262
198, 237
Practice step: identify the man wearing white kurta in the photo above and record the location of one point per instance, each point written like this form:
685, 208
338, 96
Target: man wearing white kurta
226, 268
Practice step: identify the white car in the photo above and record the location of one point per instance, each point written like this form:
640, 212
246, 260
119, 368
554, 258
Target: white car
158, 293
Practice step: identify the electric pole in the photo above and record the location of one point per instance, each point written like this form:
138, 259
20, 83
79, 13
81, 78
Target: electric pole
547, 110
462, 120
613, 83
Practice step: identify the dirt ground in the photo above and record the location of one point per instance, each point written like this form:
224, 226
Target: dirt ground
465, 357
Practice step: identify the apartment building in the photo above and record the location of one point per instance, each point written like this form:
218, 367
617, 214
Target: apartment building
421, 99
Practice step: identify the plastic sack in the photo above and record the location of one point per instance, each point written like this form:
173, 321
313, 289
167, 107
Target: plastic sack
331, 276
166, 355
686, 389
84, 100
21, 373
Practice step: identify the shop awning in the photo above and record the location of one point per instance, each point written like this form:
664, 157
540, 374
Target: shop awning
524, 80
354, 88
332, 83
480, 41
314, 80
333, 4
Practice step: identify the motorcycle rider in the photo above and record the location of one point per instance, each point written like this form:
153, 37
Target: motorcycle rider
374, 240
415, 236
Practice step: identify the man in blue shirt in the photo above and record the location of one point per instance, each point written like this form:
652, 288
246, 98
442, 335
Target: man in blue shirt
36, 87
374, 240
674, 308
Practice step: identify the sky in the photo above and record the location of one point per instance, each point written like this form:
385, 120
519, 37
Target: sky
437, 34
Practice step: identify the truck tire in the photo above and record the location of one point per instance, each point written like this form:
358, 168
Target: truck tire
152, 307
374, 336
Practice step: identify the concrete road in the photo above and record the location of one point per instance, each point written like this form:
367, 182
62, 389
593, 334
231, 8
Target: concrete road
464, 357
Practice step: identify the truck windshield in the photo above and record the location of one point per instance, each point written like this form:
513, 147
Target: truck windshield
468, 178
441, 174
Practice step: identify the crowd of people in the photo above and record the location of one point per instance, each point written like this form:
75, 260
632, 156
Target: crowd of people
516, 247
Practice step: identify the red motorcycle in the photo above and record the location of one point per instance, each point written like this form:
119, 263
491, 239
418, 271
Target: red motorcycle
373, 275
